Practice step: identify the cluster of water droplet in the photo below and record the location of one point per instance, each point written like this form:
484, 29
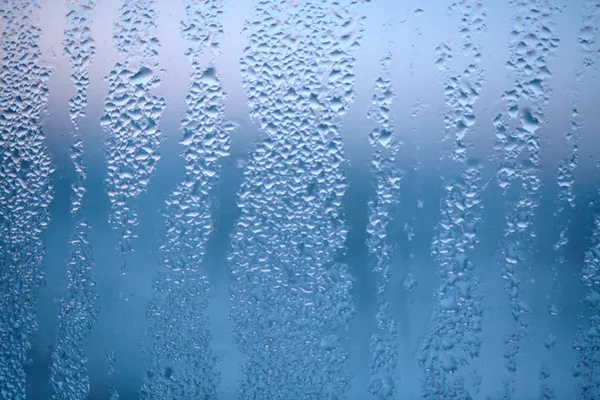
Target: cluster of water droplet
589, 33
79, 48
290, 293
77, 313
132, 115
565, 178
587, 343
462, 91
203, 28
183, 364
381, 209
532, 43
77, 310
588, 340
135, 32
443, 53
454, 338
25, 188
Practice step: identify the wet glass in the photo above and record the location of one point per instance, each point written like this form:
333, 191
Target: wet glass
286, 199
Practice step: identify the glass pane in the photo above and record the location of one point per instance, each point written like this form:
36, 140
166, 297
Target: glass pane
285, 199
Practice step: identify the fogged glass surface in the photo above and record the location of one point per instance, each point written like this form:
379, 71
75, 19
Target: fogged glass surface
299, 199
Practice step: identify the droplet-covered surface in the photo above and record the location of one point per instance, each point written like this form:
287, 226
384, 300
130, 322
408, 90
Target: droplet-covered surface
76, 318
77, 310
183, 363
290, 294
446, 152
25, 190
454, 339
80, 48
588, 339
532, 43
384, 344
587, 342
132, 115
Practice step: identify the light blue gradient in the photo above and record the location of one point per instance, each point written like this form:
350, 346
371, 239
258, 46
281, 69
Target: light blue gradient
417, 112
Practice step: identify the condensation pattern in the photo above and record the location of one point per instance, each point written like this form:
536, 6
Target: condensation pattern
25, 189
588, 339
77, 311
468, 168
111, 360
132, 115
587, 343
80, 48
182, 362
531, 43
290, 294
454, 338
384, 380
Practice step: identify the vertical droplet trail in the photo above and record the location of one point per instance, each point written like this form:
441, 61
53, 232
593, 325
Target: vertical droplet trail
131, 119
77, 311
531, 43
132, 115
587, 343
290, 294
588, 340
25, 188
384, 379
182, 362
566, 202
454, 339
